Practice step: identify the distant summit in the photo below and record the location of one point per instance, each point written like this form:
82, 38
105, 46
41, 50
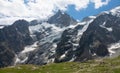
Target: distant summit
61, 19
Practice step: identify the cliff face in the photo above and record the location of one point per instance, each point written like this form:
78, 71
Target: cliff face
62, 19
104, 30
95, 41
13, 39
7, 56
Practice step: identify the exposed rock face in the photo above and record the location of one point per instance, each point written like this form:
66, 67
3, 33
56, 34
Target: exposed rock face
43, 55
103, 31
62, 19
6, 56
48, 35
69, 41
16, 36
34, 22
13, 39
64, 50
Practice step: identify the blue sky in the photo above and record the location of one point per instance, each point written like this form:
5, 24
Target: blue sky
90, 10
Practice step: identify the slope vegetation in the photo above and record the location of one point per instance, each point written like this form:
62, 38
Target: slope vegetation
93, 66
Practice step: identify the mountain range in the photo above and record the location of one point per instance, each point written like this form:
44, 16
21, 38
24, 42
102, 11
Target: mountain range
61, 38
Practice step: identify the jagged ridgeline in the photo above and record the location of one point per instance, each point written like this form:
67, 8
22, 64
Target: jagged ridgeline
60, 39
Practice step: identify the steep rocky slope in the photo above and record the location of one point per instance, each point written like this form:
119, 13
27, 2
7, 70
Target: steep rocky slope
13, 39
60, 39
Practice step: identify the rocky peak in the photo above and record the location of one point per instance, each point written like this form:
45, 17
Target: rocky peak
62, 19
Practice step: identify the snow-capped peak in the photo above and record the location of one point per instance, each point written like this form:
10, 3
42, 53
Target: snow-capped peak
92, 17
116, 11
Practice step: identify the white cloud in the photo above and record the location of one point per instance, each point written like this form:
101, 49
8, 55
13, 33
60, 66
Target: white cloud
42, 8
100, 3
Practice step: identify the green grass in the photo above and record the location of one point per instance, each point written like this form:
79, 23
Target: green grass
92, 66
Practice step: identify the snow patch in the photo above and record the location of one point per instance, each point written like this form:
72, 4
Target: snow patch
113, 47
63, 56
30, 48
73, 58
86, 24
50, 60
1, 27
22, 56
81, 23
54, 46
94, 54
116, 11
109, 29
93, 17
106, 12
23, 61
17, 60
104, 23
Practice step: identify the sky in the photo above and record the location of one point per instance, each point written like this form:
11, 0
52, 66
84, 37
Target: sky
91, 10
43, 9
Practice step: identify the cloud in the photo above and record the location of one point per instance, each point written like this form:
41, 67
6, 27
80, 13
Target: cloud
43, 8
100, 3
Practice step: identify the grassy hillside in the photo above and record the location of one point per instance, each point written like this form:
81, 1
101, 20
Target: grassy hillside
93, 66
